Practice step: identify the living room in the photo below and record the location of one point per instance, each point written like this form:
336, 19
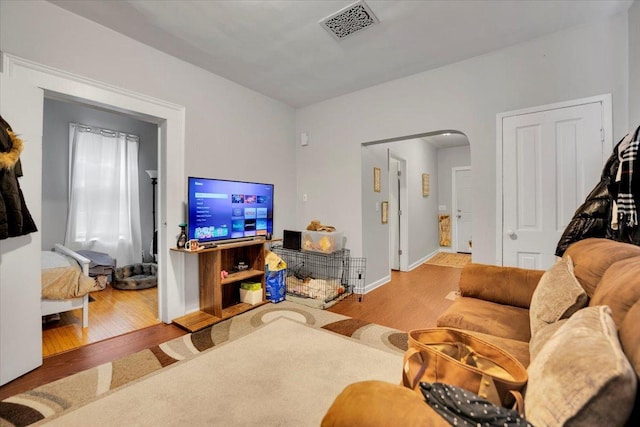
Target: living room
220, 116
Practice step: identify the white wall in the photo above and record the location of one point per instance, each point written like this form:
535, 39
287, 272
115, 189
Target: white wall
231, 132
449, 158
55, 165
421, 233
466, 96
374, 233
422, 216
634, 65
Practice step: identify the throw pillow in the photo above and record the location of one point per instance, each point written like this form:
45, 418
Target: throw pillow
581, 376
557, 296
539, 340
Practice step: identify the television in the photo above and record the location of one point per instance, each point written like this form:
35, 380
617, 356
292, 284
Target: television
228, 210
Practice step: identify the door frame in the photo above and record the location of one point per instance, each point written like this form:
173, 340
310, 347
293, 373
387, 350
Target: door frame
403, 207
170, 119
454, 203
607, 130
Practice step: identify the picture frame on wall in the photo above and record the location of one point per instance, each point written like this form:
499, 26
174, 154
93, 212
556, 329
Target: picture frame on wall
385, 212
376, 179
425, 184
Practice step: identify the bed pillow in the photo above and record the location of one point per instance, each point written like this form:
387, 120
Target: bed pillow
581, 374
557, 296
51, 259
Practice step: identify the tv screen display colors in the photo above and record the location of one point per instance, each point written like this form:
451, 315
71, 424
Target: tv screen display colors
224, 210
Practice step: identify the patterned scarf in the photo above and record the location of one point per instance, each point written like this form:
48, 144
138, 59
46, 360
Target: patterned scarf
627, 211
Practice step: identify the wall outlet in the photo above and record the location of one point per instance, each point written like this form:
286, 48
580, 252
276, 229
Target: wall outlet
442, 208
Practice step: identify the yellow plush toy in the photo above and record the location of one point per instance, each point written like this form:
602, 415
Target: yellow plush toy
316, 225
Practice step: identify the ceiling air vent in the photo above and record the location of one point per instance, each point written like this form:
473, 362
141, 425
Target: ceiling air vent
349, 20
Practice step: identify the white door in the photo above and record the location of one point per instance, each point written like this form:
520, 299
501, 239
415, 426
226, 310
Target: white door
394, 218
21, 106
462, 209
551, 160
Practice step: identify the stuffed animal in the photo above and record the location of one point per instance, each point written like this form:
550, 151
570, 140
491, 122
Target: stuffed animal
315, 225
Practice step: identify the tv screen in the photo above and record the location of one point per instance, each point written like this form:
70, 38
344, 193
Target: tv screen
224, 210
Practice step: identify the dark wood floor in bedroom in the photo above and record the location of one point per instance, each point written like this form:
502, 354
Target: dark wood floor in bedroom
411, 300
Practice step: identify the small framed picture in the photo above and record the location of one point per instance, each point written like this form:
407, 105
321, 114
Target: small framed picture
425, 184
385, 212
376, 180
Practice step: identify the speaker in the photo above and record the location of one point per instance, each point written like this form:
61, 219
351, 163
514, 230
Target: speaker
292, 240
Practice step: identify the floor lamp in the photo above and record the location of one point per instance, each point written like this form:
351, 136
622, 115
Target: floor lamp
153, 174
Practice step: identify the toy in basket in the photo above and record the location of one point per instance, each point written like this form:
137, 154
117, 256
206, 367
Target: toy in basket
321, 238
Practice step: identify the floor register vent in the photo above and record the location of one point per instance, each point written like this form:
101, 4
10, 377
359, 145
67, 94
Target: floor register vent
349, 20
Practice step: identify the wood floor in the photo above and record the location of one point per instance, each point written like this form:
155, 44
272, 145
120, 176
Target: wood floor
114, 312
411, 300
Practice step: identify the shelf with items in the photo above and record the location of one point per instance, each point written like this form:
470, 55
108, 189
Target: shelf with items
220, 296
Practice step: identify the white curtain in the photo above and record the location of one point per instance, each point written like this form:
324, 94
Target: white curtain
104, 202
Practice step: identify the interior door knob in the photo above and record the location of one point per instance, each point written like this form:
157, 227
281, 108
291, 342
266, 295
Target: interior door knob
511, 233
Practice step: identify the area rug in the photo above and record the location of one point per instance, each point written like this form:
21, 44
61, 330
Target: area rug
449, 259
280, 364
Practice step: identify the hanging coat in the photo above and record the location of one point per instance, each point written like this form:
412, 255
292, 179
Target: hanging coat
594, 217
15, 219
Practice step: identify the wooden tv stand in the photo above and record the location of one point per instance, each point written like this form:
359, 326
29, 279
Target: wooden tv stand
220, 298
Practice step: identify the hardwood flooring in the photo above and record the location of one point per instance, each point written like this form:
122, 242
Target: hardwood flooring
114, 312
411, 300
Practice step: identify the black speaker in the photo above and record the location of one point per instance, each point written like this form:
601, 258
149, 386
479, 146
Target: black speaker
292, 240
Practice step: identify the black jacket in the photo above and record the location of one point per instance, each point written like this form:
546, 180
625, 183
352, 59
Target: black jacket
15, 219
593, 217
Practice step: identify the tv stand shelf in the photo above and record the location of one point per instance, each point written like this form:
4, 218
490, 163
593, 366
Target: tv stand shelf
242, 275
220, 298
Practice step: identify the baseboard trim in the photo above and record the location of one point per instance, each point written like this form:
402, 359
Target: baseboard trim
371, 286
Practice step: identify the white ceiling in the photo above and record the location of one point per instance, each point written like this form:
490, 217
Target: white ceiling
277, 47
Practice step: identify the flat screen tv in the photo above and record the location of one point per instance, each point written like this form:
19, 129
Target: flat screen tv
226, 210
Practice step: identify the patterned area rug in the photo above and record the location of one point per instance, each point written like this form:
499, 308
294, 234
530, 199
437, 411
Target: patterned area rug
82, 388
449, 259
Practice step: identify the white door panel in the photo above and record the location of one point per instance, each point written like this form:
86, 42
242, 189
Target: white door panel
463, 215
21, 105
551, 160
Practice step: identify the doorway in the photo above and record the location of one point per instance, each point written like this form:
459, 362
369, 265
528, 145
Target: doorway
112, 311
550, 157
30, 82
462, 211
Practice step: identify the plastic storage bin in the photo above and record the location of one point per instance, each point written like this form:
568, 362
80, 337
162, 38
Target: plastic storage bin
322, 241
251, 297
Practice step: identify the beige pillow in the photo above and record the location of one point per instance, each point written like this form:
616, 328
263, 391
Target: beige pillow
581, 376
557, 296
539, 340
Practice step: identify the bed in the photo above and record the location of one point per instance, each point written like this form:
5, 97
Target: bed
65, 282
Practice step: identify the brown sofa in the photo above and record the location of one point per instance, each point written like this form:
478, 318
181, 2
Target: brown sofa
495, 303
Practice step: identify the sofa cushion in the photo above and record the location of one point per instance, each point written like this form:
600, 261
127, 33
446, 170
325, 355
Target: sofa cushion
629, 333
503, 285
592, 257
557, 296
619, 288
491, 318
570, 384
377, 403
